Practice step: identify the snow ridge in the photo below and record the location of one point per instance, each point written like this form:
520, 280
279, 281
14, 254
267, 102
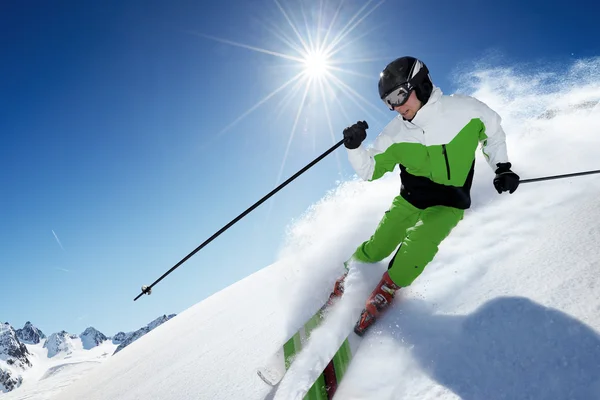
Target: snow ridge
132, 337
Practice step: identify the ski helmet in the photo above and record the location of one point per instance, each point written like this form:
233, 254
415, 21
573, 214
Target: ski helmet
402, 76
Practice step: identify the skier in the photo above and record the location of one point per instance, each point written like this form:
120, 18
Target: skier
433, 140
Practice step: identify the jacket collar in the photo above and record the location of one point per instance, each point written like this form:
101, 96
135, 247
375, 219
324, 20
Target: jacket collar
428, 111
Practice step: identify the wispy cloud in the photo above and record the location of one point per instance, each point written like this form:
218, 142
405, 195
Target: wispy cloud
62, 269
58, 240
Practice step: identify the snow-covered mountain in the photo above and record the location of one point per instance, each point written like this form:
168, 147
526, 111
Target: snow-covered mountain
14, 358
119, 338
59, 342
8, 380
30, 334
91, 338
12, 351
29, 361
133, 336
64, 342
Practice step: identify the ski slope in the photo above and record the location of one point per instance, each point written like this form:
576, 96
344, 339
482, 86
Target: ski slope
509, 308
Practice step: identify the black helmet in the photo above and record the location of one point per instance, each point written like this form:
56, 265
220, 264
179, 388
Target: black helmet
408, 72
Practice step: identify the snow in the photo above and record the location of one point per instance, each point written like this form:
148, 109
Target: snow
91, 338
50, 375
61, 342
133, 336
507, 310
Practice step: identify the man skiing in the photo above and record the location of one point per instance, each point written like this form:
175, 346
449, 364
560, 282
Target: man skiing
433, 140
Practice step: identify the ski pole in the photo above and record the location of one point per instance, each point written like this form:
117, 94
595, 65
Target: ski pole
547, 178
148, 289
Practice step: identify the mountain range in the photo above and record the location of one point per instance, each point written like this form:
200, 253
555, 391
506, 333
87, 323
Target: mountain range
19, 346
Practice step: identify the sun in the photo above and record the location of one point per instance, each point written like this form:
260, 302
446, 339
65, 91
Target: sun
316, 64
316, 42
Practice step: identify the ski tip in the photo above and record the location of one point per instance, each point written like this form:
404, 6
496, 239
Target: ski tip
268, 376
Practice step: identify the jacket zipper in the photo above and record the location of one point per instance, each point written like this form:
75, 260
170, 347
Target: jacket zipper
445, 153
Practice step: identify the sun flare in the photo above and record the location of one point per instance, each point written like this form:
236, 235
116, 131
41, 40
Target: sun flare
316, 40
316, 64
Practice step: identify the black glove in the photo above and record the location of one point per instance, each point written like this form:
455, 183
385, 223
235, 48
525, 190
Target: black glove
355, 134
505, 179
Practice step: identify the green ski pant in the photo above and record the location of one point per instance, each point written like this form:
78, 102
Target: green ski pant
418, 232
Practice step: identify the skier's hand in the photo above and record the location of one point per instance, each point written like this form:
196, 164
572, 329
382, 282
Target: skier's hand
355, 134
505, 179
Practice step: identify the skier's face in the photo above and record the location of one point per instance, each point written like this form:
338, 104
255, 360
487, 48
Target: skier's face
409, 109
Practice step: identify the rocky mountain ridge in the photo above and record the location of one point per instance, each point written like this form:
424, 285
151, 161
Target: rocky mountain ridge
30, 334
133, 336
15, 356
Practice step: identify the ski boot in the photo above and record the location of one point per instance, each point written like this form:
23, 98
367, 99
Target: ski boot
338, 289
378, 301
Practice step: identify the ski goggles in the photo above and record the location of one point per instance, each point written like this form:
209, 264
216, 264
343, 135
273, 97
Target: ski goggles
398, 96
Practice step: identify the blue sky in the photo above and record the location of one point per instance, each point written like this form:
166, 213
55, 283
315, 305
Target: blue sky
123, 148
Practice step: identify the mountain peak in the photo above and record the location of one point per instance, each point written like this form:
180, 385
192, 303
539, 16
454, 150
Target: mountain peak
11, 349
30, 334
119, 337
91, 338
59, 342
